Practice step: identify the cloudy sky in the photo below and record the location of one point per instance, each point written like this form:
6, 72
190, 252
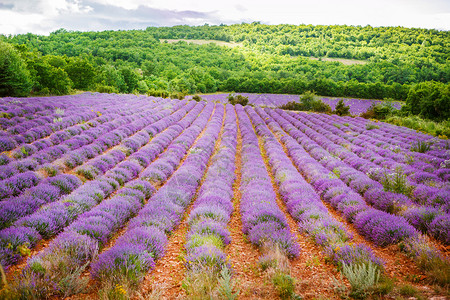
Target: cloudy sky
45, 16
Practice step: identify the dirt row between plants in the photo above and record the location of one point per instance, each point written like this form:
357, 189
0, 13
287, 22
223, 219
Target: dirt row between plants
398, 267
166, 278
314, 277
242, 255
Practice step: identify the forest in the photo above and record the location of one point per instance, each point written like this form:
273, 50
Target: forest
390, 62
223, 162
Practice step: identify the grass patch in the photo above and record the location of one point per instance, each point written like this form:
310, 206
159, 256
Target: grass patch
437, 129
408, 290
420, 146
204, 282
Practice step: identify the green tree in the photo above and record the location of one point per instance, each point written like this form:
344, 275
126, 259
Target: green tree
307, 100
131, 78
341, 109
429, 99
15, 79
81, 72
51, 79
109, 76
47, 78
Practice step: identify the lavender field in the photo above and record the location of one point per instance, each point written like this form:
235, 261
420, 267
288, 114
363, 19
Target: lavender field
357, 106
122, 196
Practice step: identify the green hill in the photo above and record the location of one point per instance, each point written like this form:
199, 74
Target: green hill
352, 61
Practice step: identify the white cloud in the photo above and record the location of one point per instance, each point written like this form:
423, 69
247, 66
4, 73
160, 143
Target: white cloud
14, 22
46, 7
44, 16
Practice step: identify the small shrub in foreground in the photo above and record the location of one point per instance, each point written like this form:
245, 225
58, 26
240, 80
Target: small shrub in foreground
226, 285
362, 278
284, 284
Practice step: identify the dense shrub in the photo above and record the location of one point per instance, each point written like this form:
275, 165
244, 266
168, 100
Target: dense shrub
14, 77
197, 98
308, 102
430, 100
342, 109
379, 110
237, 99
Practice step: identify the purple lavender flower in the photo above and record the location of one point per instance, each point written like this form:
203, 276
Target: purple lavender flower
129, 260
207, 256
65, 182
386, 201
7, 171
16, 236
272, 232
153, 238
143, 186
16, 184
440, 228
211, 227
382, 228
4, 159
8, 257
75, 249
344, 254
213, 212
421, 217
96, 227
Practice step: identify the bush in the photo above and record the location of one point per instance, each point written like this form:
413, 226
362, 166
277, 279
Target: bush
158, 93
362, 278
420, 146
284, 284
320, 106
176, 95
197, 98
101, 88
237, 99
438, 129
370, 126
308, 102
292, 106
379, 110
342, 109
15, 79
430, 100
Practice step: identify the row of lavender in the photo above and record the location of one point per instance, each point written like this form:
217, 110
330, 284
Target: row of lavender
208, 233
94, 165
67, 134
70, 151
136, 251
53, 217
357, 106
377, 226
27, 120
262, 219
379, 178
388, 139
393, 134
80, 242
302, 201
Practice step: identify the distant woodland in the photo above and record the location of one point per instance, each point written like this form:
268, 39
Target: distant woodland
397, 62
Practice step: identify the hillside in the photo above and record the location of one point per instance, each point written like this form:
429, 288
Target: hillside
352, 61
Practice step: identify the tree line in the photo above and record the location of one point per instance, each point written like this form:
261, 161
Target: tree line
271, 59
